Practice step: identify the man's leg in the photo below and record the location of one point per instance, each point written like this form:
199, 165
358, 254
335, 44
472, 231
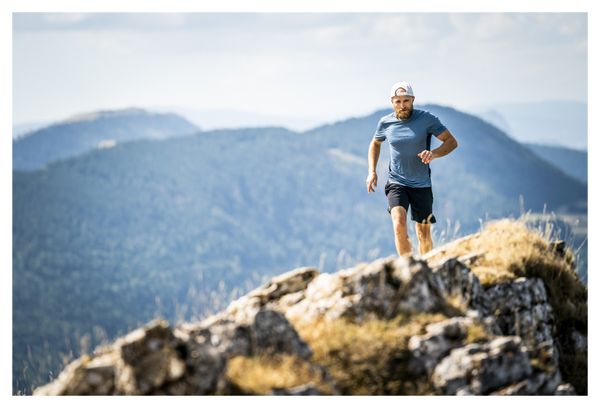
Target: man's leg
424, 236
400, 230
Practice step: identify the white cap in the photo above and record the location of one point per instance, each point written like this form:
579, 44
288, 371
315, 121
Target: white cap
401, 89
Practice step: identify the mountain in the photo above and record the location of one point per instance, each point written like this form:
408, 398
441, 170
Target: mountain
571, 161
21, 129
496, 119
455, 322
562, 123
211, 119
95, 130
104, 241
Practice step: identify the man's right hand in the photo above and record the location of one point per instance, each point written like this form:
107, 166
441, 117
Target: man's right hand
371, 182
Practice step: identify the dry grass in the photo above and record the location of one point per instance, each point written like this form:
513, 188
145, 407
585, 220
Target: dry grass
369, 358
510, 250
476, 333
259, 375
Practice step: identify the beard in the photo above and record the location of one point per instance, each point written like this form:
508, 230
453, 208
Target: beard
405, 114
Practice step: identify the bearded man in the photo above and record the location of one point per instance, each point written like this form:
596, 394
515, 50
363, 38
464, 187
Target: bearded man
409, 132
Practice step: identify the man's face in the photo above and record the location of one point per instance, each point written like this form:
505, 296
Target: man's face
403, 105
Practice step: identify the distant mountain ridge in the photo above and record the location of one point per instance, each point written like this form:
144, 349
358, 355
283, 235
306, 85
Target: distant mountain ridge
572, 161
20, 130
561, 123
85, 132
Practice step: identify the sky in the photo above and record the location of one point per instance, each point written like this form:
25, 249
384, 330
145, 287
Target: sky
305, 67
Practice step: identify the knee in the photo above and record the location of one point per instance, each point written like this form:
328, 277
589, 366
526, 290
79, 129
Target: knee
400, 226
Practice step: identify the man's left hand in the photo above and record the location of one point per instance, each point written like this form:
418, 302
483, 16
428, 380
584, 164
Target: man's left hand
426, 156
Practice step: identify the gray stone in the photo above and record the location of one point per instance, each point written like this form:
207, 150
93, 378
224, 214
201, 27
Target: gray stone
483, 367
306, 389
148, 359
381, 290
84, 377
428, 349
290, 282
565, 389
457, 281
521, 308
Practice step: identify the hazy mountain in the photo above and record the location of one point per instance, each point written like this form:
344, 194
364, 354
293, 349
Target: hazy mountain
103, 129
562, 123
496, 119
20, 130
106, 240
235, 119
572, 162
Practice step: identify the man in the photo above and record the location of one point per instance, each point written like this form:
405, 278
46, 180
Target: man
409, 131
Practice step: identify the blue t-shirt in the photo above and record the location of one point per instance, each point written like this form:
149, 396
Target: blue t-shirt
408, 138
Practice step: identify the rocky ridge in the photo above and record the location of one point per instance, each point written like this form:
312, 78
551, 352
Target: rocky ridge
454, 337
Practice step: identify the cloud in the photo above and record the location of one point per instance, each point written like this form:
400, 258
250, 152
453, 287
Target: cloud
347, 59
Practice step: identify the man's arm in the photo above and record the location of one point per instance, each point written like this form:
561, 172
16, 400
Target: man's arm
449, 143
374, 149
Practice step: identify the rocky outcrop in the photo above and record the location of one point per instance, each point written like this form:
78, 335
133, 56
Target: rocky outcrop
497, 339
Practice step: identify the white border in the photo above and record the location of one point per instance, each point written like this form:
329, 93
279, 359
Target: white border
7, 7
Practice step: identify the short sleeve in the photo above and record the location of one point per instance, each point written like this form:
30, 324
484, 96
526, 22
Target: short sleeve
435, 127
380, 131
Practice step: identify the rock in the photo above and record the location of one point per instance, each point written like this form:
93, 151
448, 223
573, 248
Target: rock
381, 289
138, 363
149, 359
324, 296
482, 368
458, 282
307, 389
269, 332
288, 283
565, 389
205, 367
84, 377
521, 308
428, 349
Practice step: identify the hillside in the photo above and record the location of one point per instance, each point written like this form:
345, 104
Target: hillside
90, 131
570, 161
475, 317
104, 241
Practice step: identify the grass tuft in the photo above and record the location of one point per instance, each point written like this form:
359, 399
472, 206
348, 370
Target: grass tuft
259, 375
370, 358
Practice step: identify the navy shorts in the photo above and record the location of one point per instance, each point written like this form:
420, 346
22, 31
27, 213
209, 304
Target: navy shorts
420, 201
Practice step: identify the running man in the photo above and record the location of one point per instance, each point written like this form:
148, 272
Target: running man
409, 131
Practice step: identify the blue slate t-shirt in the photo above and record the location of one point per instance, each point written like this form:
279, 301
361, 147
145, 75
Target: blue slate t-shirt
408, 138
